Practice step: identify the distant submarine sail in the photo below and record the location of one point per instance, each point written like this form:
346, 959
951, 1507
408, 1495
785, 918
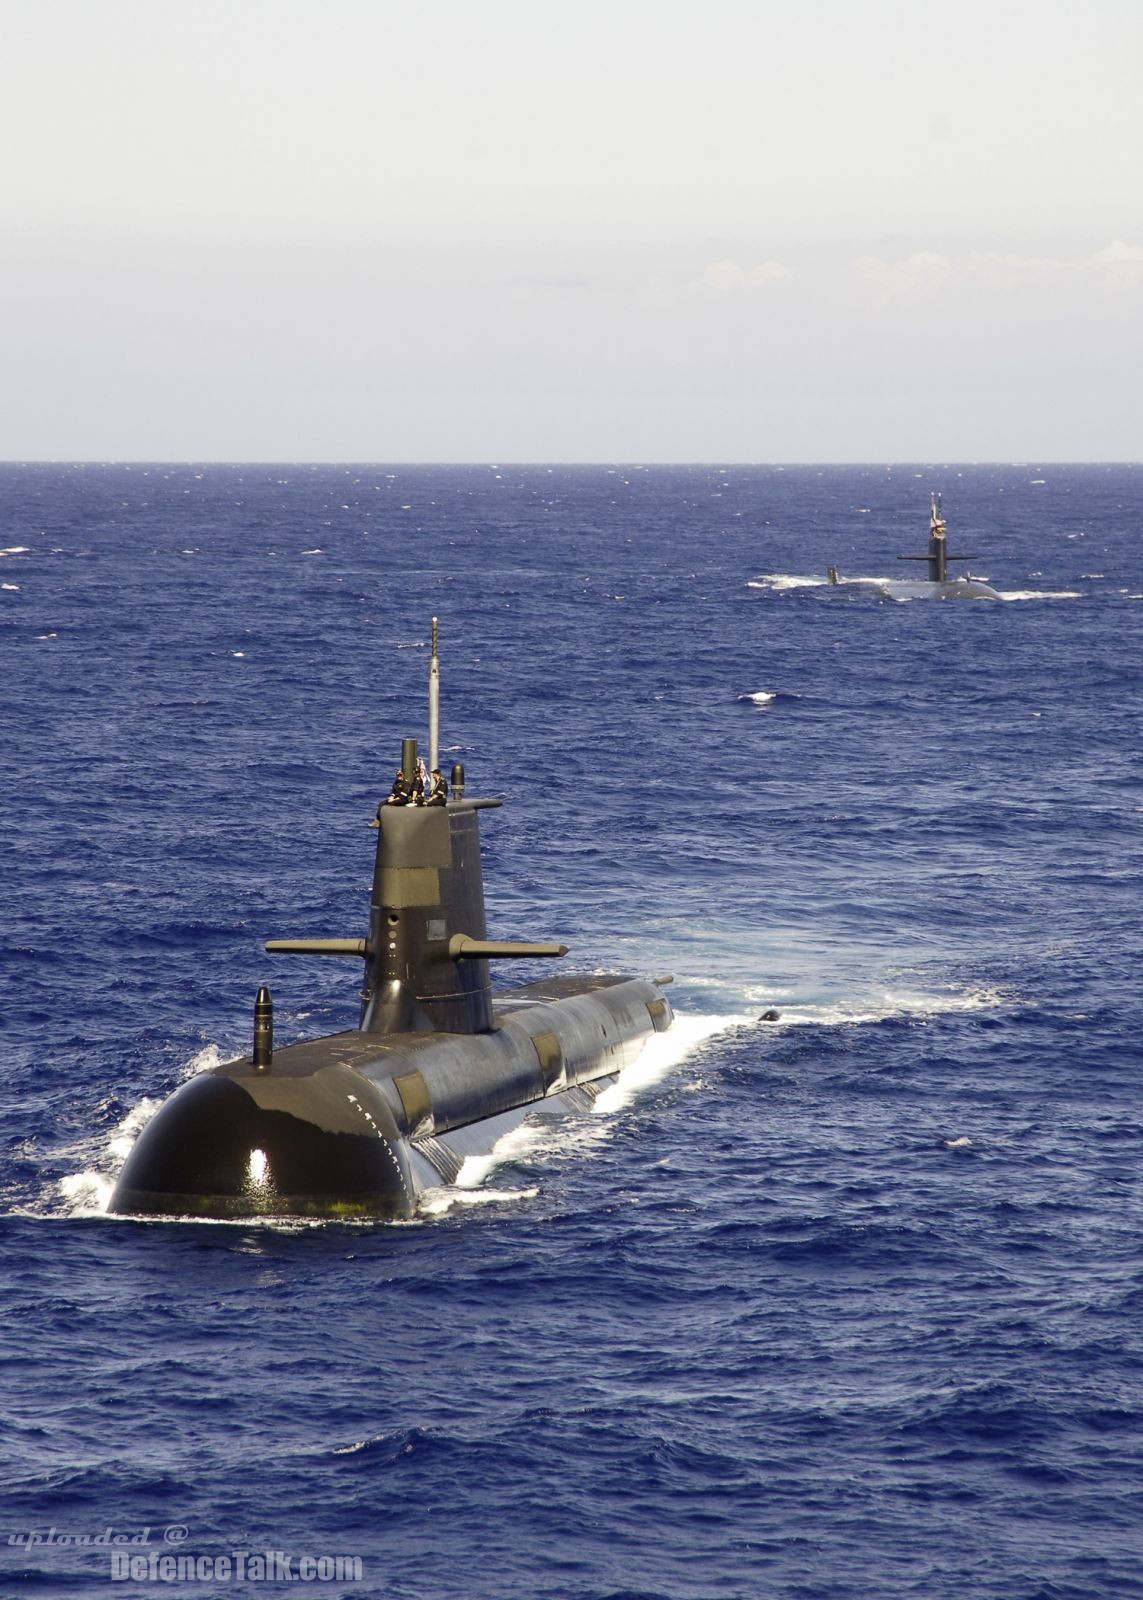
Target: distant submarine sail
938, 585
358, 1124
937, 556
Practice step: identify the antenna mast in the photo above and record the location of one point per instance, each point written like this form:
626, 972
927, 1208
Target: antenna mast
434, 704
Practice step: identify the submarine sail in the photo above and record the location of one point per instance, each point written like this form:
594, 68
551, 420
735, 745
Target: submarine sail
937, 584
439, 1066
937, 556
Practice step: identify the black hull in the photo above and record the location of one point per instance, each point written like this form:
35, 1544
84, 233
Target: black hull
358, 1125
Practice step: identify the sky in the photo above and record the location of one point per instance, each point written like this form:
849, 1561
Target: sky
607, 230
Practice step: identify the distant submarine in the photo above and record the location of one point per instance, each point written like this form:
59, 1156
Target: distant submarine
359, 1124
939, 585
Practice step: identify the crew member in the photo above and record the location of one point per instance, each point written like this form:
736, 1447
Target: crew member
399, 794
438, 789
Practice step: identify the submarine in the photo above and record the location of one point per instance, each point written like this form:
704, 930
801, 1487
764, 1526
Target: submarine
938, 586
359, 1124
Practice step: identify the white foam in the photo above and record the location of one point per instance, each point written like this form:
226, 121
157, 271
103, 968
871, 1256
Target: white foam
205, 1060
1040, 594
15, 550
534, 1143
87, 1193
660, 1055
873, 1006
784, 580
272, 1224
539, 1137
122, 1141
514, 1146
437, 1202
760, 697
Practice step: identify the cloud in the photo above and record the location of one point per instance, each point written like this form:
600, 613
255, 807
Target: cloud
727, 276
1011, 272
1119, 265
921, 273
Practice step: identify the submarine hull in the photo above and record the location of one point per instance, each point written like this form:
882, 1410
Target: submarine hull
358, 1125
919, 588
950, 589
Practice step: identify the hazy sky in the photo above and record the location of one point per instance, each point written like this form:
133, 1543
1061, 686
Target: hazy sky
733, 230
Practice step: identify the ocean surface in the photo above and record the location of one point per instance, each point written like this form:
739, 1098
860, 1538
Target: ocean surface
839, 1307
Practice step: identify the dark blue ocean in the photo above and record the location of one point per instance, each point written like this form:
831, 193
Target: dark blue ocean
840, 1307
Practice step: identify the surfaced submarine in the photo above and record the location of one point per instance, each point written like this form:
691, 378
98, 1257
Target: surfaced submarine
358, 1124
938, 586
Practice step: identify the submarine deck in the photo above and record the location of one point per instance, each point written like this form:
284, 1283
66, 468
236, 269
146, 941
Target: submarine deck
352, 1048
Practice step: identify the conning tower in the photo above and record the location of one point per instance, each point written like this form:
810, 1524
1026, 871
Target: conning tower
938, 555
426, 955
